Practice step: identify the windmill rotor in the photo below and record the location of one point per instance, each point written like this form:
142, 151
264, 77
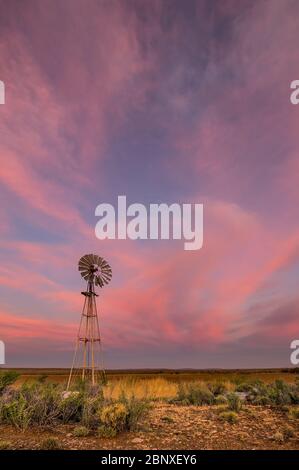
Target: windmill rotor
95, 269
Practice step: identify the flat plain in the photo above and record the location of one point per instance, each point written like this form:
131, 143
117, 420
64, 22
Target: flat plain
170, 423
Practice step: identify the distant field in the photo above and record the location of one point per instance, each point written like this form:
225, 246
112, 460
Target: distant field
163, 383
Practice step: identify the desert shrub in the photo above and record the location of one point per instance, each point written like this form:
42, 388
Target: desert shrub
113, 419
90, 410
5, 445
262, 400
197, 393
121, 416
44, 404
288, 432
70, 408
220, 400
17, 412
136, 410
7, 378
228, 416
167, 419
234, 402
51, 443
217, 388
44, 400
294, 413
244, 387
278, 393
278, 436
80, 431
42, 378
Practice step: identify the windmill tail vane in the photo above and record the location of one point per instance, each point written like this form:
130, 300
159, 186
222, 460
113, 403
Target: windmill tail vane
88, 356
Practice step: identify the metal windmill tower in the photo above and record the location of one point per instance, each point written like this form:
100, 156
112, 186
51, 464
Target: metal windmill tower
88, 359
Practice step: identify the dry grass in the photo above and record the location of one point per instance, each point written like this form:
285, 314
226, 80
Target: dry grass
153, 388
162, 384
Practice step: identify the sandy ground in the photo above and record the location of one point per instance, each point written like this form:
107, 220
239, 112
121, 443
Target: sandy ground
177, 427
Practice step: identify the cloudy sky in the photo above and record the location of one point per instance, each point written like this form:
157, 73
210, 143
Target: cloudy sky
162, 101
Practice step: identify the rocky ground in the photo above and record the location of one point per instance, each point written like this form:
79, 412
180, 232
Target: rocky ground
176, 427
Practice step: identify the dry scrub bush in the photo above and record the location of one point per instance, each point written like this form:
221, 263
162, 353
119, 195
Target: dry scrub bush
294, 413
121, 416
113, 419
5, 445
46, 404
7, 378
288, 432
220, 400
51, 443
197, 393
234, 402
278, 393
228, 416
80, 431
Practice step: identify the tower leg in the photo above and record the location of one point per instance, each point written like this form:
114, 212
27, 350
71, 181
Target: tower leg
86, 364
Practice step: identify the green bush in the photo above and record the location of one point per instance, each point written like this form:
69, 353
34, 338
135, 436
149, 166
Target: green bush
136, 410
46, 404
113, 419
121, 416
90, 409
17, 413
197, 393
244, 387
7, 378
234, 402
278, 393
220, 400
70, 408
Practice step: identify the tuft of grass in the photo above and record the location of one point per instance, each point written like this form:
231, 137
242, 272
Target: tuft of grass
51, 443
167, 419
288, 432
229, 417
80, 431
294, 413
234, 402
278, 437
5, 445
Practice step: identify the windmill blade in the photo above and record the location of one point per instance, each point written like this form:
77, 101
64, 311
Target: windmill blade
94, 268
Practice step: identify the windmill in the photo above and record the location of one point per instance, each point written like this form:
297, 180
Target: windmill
88, 361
